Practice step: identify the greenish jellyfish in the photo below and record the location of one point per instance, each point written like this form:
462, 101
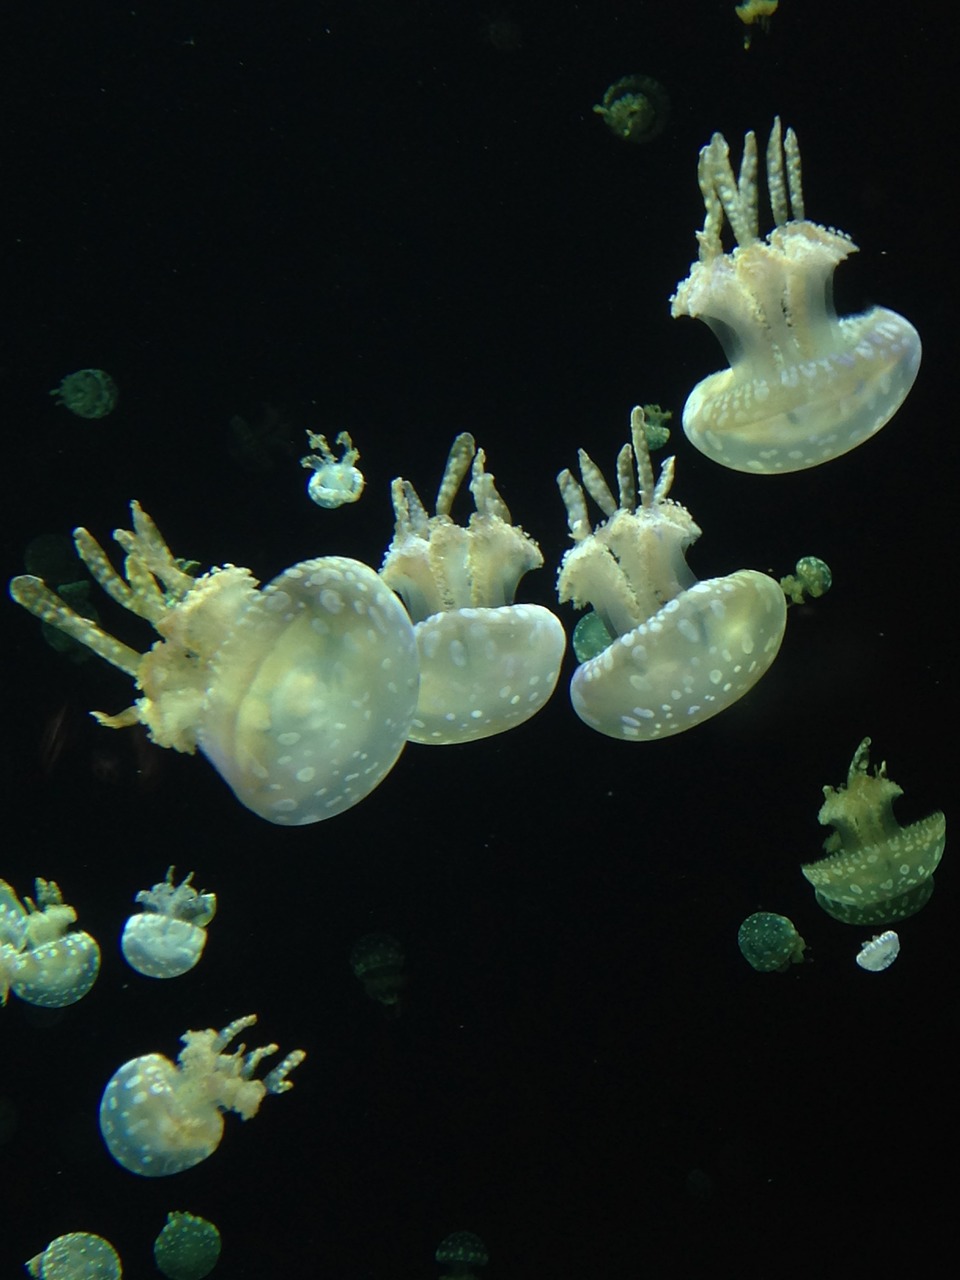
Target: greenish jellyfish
812, 577
461, 1255
378, 961
635, 108
770, 942
875, 871
89, 393
76, 1256
187, 1248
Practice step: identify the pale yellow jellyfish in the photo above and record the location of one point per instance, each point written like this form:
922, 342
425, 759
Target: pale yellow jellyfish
335, 481
755, 13
803, 386
300, 694
43, 960
159, 1118
679, 651
486, 664
167, 938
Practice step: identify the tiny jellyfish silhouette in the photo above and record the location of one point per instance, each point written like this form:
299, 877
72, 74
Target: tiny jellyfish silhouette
167, 938
187, 1248
335, 481
89, 393
635, 108
770, 943
43, 961
462, 1255
811, 577
78, 1255
158, 1118
875, 871
378, 961
880, 952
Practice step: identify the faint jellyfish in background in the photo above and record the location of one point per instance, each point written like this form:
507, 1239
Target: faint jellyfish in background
378, 961
335, 481
812, 577
41, 960
167, 938
503, 32
76, 1256
257, 444
635, 108
880, 952
187, 1248
89, 393
770, 943
158, 1118
462, 1256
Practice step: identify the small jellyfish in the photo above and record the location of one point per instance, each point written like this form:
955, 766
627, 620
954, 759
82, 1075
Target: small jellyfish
187, 1248
770, 943
300, 695
812, 577
803, 386
755, 13
76, 1256
333, 482
43, 961
635, 108
486, 664
875, 871
167, 938
158, 1118
462, 1254
680, 651
89, 393
880, 952
378, 961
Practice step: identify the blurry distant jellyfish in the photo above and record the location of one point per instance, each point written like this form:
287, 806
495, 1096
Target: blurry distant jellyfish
812, 577
76, 1256
770, 943
378, 961
187, 1248
874, 871
43, 961
335, 481
167, 938
502, 32
89, 393
755, 13
462, 1255
635, 108
880, 952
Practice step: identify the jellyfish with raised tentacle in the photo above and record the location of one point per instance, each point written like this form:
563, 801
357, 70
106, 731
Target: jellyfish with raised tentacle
300, 694
803, 386
486, 664
166, 938
158, 1118
680, 651
42, 960
335, 481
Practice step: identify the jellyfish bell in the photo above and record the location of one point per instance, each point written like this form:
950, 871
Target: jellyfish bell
634, 108
188, 1247
89, 393
880, 952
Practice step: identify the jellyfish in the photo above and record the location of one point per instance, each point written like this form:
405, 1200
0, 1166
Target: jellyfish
770, 943
333, 483
89, 393
43, 961
875, 871
461, 1255
811, 577
77, 1256
880, 952
803, 386
158, 1118
301, 695
755, 13
486, 664
187, 1248
680, 650
167, 938
378, 961
635, 108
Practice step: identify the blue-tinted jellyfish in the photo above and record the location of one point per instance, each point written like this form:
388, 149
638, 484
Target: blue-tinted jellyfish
462, 1255
770, 943
89, 393
875, 871
167, 938
880, 952
301, 695
803, 386
679, 651
158, 1118
378, 961
635, 108
42, 960
76, 1256
187, 1248
486, 664
335, 481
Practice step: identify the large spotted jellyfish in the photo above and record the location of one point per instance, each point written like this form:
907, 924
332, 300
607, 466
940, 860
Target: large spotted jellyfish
166, 938
300, 694
875, 871
674, 651
79, 1255
486, 664
43, 960
803, 386
159, 1118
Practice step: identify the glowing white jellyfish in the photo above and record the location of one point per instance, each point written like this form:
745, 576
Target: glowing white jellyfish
43, 961
167, 938
880, 952
335, 481
79, 1255
158, 1118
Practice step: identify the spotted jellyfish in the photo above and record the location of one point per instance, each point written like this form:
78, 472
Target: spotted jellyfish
167, 938
42, 960
335, 481
79, 1255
